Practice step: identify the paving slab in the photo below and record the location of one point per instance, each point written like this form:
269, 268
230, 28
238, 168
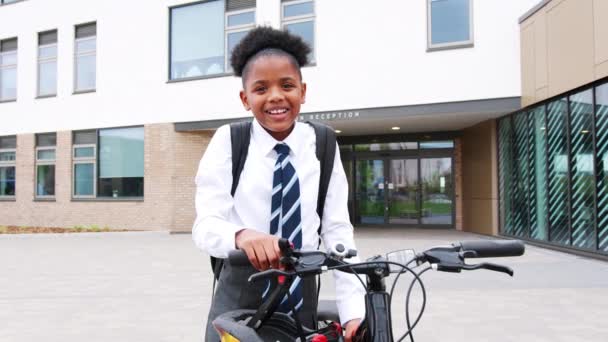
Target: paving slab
155, 286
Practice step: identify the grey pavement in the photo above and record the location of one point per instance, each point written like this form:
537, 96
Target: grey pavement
153, 286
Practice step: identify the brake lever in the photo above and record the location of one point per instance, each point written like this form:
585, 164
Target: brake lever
489, 266
267, 274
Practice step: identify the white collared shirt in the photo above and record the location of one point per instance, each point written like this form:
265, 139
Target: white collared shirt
220, 216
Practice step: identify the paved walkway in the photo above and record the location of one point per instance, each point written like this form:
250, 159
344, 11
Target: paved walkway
153, 286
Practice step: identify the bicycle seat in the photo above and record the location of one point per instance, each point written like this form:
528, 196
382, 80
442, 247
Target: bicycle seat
327, 310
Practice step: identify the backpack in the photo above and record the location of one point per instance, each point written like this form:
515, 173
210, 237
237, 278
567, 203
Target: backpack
240, 134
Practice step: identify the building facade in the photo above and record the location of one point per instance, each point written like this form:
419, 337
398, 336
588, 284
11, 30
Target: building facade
553, 153
107, 107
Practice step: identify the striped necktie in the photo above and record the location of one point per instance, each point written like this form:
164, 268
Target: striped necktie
286, 220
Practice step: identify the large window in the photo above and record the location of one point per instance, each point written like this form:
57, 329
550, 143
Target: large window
8, 145
8, 69
298, 17
47, 63
85, 58
450, 23
203, 35
553, 171
109, 163
45, 165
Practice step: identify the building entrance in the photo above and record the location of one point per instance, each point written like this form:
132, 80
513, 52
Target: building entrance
405, 184
405, 191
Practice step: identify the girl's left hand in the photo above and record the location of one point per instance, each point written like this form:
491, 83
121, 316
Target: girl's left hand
351, 328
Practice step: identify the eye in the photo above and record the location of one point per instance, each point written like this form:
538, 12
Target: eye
259, 89
288, 86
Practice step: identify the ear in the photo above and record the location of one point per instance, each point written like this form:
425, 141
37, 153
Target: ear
244, 100
303, 93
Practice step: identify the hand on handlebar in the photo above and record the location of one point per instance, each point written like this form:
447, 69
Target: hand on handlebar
262, 249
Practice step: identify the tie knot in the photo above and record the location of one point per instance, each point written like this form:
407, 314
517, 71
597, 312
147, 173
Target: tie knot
281, 149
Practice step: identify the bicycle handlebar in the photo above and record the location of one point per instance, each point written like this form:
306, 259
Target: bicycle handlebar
491, 248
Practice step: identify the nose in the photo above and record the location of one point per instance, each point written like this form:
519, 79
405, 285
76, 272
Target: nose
276, 95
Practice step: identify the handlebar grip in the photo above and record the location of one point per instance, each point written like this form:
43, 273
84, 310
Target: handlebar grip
238, 258
493, 248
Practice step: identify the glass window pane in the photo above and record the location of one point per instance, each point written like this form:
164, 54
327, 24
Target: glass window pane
84, 179
241, 19
84, 152
8, 84
294, 10
8, 141
197, 40
85, 72
8, 58
437, 190
601, 126
521, 224
46, 155
233, 39
48, 51
45, 180
85, 137
450, 21
7, 156
392, 146
7, 181
581, 166
46, 139
505, 164
558, 171
121, 162
436, 144
47, 79
306, 30
538, 170
86, 45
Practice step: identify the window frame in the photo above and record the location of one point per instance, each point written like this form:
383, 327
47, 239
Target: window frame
45, 60
9, 66
41, 162
302, 19
9, 163
235, 29
77, 54
84, 160
451, 45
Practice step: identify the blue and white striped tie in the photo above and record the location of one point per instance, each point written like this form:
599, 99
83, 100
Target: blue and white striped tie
286, 219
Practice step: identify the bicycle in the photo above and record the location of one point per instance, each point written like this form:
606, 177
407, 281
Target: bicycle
264, 324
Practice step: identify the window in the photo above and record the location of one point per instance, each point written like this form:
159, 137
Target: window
298, 17
85, 57
47, 63
4, 2
204, 34
109, 163
8, 153
450, 23
8, 69
45, 165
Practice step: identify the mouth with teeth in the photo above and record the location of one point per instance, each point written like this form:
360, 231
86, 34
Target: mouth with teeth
277, 113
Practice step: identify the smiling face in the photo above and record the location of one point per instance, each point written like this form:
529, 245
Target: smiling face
273, 91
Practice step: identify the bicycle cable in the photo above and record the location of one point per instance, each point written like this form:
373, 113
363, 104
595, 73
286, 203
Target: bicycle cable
407, 306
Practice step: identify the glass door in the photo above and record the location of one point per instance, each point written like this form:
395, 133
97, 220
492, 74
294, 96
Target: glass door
437, 191
403, 192
370, 194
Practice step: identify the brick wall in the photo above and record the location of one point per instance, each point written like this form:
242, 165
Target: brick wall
170, 163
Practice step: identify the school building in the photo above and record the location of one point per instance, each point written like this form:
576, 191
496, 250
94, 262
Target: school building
107, 107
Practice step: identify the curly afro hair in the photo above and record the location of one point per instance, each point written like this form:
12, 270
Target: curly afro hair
265, 40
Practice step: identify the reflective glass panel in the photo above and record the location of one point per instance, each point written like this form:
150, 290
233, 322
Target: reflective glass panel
437, 191
393, 146
48, 51
7, 181
121, 162
245, 18
558, 171
197, 40
47, 78
306, 30
84, 152
233, 39
8, 84
85, 72
304, 8
84, 179
370, 191
46, 154
45, 180
601, 125
521, 224
86, 45
7, 156
450, 21
403, 192
505, 164
538, 174
436, 144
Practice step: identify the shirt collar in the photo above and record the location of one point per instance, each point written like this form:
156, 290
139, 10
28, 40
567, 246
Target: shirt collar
266, 142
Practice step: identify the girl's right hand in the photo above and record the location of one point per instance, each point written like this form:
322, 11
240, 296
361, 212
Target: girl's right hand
262, 249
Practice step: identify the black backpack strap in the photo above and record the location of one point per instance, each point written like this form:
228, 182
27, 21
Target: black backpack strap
326, 152
240, 133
